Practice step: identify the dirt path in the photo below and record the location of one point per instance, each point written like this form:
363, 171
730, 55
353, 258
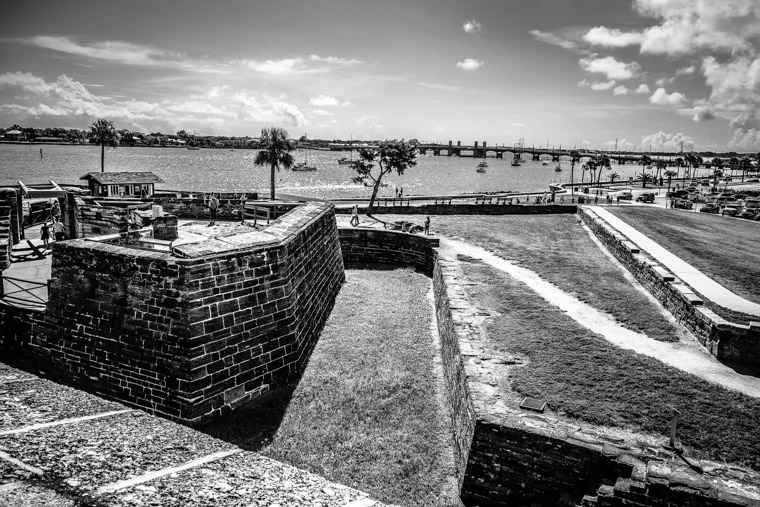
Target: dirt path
687, 355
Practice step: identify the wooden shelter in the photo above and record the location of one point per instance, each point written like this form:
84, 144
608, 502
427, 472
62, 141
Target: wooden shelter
121, 184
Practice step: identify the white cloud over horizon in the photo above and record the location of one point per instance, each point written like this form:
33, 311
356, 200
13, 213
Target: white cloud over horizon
663, 141
472, 26
610, 67
469, 64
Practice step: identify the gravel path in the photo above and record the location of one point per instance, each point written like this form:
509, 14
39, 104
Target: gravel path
689, 356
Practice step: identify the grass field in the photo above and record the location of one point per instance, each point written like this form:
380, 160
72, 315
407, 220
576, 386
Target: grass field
580, 375
365, 413
562, 252
726, 249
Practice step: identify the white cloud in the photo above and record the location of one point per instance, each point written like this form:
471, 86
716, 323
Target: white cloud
662, 81
269, 110
668, 141
702, 113
472, 26
298, 66
642, 89
371, 126
322, 112
610, 67
212, 93
611, 37
735, 89
586, 142
469, 64
597, 86
620, 90
555, 40
515, 124
683, 71
622, 144
746, 139
327, 101
663, 98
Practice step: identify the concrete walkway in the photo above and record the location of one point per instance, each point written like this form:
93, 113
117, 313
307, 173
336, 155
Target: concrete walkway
690, 275
61, 447
688, 356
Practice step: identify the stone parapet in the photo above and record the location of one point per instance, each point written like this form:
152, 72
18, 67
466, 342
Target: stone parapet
193, 333
724, 339
412, 208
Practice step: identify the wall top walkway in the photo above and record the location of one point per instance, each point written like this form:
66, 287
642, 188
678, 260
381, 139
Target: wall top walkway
694, 278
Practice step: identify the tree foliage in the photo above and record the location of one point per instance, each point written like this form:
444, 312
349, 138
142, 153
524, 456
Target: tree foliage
104, 133
274, 151
373, 164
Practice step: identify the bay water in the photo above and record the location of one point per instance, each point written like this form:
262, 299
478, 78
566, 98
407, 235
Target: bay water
224, 170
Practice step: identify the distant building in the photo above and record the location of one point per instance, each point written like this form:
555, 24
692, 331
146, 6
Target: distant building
15, 135
124, 184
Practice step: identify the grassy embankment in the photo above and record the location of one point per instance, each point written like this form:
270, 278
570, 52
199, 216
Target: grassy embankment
580, 375
724, 248
561, 251
365, 413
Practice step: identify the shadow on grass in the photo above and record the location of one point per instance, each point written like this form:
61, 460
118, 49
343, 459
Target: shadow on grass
253, 425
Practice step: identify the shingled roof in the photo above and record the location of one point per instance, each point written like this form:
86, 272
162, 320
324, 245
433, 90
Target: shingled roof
123, 178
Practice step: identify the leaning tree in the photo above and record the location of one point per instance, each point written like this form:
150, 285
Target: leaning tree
275, 148
103, 133
389, 156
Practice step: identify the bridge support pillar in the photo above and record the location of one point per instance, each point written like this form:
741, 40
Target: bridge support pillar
536, 156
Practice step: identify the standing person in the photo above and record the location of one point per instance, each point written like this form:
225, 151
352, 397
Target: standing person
427, 226
242, 208
58, 228
56, 211
355, 215
401, 192
45, 234
213, 205
40, 152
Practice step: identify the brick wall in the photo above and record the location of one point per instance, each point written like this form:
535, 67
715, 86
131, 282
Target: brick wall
92, 220
368, 246
10, 197
724, 339
193, 335
468, 209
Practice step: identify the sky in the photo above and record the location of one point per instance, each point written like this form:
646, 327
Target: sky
645, 74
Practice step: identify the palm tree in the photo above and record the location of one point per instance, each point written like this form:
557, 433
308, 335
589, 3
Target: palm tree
275, 151
669, 173
613, 177
746, 164
104, 133
574, 157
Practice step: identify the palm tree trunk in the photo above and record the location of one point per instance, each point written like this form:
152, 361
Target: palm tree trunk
271, 183
102, 158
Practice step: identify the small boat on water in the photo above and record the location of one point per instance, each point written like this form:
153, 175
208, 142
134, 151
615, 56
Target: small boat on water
481, 168
303, 167
515, 163
193, 148
545, 162
345, 161
558, 168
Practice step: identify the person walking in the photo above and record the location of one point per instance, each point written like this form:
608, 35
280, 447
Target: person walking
45, 234
213, 205
58, 229
242, 207
427, 226
355, 215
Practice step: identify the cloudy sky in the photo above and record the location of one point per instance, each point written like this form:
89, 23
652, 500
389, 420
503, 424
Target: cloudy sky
570, 72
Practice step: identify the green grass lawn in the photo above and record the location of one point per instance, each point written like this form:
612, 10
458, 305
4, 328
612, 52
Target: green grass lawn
580, 375
724, 248
562, 252
365, 412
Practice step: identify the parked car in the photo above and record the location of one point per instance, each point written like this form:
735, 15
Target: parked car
677, 194
683, 204
730, 210
753, 180
710, 207
645, 197
748, 213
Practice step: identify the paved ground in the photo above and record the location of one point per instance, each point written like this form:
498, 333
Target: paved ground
60, 446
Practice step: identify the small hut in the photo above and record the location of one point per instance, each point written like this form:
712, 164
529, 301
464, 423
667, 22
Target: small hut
121, 184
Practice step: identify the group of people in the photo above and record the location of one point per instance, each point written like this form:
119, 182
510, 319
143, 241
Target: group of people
56, 225
213, 202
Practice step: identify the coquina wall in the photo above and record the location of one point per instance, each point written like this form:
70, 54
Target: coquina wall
507, 456
724, 339
469, 209
193, 333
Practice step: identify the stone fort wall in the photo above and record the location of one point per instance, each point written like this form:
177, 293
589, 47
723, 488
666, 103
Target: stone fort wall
190, 335
724, 339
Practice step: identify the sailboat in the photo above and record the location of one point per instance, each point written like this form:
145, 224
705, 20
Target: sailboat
518, 155
559, 165
304, 166
348, 161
